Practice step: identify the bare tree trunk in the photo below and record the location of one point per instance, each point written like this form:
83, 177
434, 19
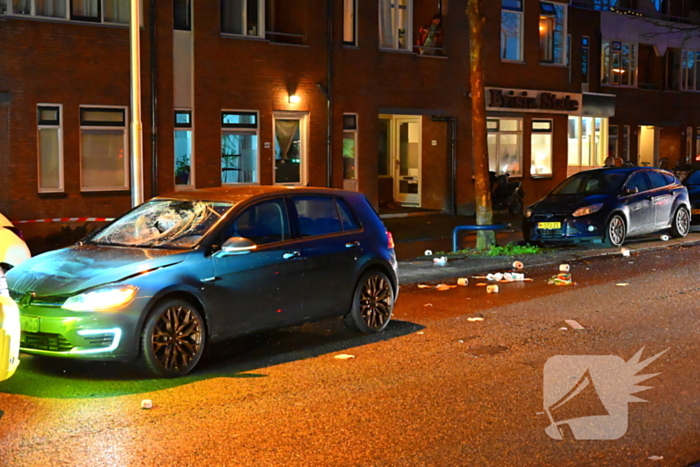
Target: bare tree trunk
484, 211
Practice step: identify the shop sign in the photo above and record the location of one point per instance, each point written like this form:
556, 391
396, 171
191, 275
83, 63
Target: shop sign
533, 101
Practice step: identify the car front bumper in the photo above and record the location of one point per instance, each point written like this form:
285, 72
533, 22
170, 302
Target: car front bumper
564, 228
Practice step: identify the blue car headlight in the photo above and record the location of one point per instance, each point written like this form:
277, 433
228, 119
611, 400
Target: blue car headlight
587, 210
106, 298
528, 212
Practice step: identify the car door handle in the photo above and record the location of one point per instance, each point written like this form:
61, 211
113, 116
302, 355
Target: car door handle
352, 244
291, 254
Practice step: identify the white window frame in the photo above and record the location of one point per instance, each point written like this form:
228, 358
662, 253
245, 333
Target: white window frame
521, 14
350, 16
189, 128
68, 16
519, 132
59, 127
408, 32
564, 33
125, 129
262, 25
550, 132
242, 130
633, 63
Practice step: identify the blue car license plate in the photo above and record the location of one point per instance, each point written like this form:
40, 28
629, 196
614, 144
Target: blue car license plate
549, 225
29, 323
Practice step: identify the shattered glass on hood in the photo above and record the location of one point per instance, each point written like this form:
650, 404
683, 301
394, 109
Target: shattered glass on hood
163, 223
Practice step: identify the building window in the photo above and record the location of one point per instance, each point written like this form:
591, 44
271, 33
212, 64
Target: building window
619, 63
395, 23
183, 148
50, 137
612, 141
683, 71
105, 11
585, 58
688, 145
541, 147
505, 145
588, 143
512, 30
239, 147
552, 33
625, 143
349, 146
243, 17
349, 22
104, 160
182, 15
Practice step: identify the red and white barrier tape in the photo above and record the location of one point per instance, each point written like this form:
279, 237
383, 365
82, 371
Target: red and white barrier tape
67, 219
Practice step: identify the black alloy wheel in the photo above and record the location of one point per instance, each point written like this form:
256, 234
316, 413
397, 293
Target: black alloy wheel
173, 339
373, 303
681, 223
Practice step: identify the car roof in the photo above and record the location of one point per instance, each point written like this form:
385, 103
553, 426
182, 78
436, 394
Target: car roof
236, 194
625, 170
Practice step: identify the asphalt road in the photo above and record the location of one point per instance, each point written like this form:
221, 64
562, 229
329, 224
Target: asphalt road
435, 389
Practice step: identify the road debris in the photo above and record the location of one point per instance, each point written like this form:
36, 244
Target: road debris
665, 238
564, 268
344, 356
428, 304
481, 284
492, 288
561, 279
574, 324
622, 284
444, 287
424, 286
625, 251
463, 281
420, 332
563, 329
656, 458
428, 252
147, 404
518, 265
441, 261
475, 318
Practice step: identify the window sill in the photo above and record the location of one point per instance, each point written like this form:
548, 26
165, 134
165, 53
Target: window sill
554, 65
351, 46
432, 56
514, 62
397, 51
111, 190
542, 176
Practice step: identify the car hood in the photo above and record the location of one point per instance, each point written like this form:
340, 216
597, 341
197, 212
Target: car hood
567, 203
81, 267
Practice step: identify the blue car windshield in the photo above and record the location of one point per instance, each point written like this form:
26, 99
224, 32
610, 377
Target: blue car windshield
591, 183
163, 223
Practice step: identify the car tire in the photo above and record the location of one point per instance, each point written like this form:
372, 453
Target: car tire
681, 223
615, 231
372, 304
173, 339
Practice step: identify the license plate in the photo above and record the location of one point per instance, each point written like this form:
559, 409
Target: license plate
29, 323
549, 225
695, 211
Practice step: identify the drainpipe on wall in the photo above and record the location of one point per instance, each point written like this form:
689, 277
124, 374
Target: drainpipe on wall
329, 97
136, 126
452, 135
154, 102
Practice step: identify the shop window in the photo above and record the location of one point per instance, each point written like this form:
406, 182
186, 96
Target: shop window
183, 148
585, 58
395, 24
552, 33
104, 160
50, 136
619, 63
683, 73
349, 22
541, 147
588, 143
512, 30
239, 147
349, 146
505, 145
104, 11
182, 15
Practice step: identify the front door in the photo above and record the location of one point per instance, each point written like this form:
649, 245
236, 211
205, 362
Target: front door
289, 148
407, 159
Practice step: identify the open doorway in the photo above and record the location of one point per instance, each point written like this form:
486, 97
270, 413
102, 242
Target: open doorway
400, 157
648, 146
290, 148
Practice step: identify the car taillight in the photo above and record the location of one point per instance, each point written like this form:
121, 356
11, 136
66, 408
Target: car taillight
390, 240
15, 231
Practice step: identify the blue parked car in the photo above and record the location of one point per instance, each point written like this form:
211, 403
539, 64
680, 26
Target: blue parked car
609, 205
184, 270
692, 182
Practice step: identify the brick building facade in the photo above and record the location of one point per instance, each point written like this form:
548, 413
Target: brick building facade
341, 94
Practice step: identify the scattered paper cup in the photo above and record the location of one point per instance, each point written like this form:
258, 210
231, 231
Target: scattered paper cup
518, 265
493, 288
147, 404
463, 281
428, 253
624, 251
564, 267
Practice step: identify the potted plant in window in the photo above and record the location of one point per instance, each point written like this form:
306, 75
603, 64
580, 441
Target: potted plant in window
182, 172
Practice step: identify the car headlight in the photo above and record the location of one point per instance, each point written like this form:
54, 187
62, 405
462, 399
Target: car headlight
105, 298
528, 212
587, 210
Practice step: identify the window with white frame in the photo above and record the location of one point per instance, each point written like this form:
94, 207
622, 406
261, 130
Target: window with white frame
541, 147
683, 70
349, 146
349, 22
243, 17
239, 147
183, 148
505, 145
104, 160
512, 30
50, 138
619, 63
395, 23
552, 33
99, 11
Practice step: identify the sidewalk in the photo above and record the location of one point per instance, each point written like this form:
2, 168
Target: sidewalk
415, 234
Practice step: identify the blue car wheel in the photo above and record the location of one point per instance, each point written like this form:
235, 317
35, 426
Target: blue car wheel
681, 223
616, 231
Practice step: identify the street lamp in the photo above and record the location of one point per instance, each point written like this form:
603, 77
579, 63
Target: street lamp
136, 126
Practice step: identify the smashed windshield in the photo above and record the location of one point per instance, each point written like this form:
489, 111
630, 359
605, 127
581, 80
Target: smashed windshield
163, 223
591, 183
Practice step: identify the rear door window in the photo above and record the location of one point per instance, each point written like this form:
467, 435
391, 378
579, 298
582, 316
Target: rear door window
657, 179
347, 216
317, 215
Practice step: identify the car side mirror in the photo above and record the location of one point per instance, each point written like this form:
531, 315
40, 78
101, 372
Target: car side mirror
631, 190
237, 246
